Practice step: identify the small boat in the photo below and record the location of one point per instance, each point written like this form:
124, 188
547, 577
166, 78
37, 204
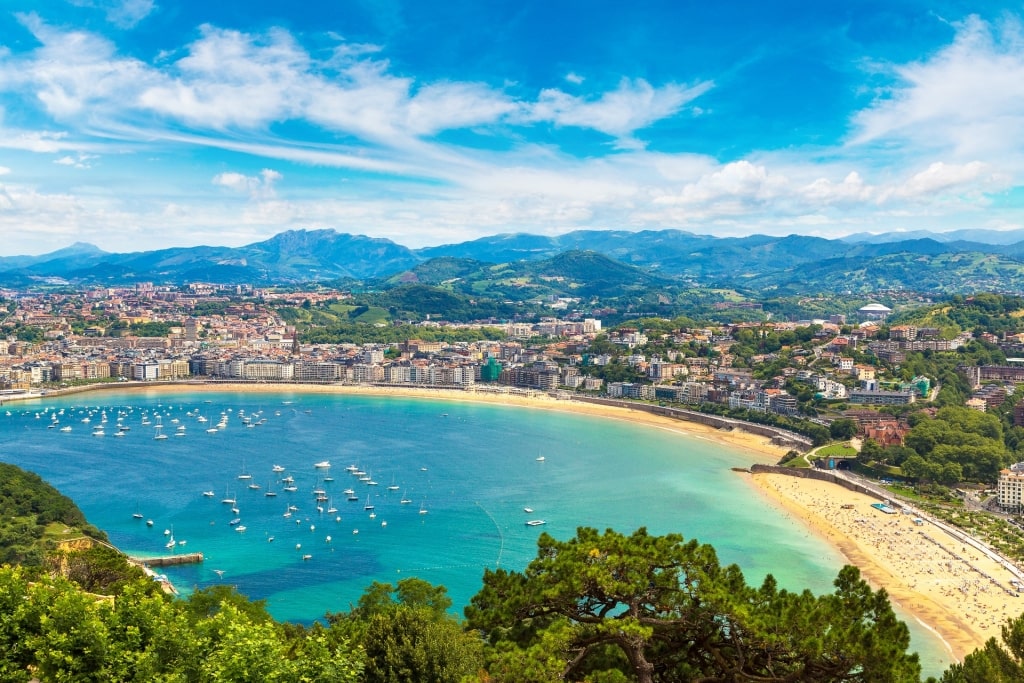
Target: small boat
527, 510
535, 522
368, 505
323, 464
540, 458
208, 494
423, 509
149, 522
277, 468
211, 430
240, 528
307, 557
254, 486
66, 428
137, 515
393, 487
235, 522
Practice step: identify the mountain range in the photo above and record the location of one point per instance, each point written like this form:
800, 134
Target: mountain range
792, 264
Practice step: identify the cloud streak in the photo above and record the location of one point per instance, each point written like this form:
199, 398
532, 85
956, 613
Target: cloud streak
367, 147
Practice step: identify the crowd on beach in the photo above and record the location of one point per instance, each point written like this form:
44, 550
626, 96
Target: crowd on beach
961, 592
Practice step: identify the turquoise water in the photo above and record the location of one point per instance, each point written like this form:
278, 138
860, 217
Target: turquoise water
468, 469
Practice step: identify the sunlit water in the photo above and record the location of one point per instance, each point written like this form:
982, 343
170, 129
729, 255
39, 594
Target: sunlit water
468, 470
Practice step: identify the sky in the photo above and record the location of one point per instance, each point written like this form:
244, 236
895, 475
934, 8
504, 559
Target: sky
146, 124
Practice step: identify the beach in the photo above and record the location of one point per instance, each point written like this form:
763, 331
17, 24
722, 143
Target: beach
951, 587
939, 581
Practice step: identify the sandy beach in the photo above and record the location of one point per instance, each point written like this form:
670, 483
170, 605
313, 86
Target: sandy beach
954, 589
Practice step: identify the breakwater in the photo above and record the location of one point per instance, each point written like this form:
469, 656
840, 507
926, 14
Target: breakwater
170, 560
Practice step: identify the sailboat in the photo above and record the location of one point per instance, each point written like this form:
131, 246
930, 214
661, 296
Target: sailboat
405, 500
170, 541
160, 435
368, 505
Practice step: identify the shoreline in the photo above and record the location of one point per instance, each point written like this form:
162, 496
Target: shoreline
940, 606
759, 448
951, 588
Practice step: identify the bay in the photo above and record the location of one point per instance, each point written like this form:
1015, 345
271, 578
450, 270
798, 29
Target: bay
469, 470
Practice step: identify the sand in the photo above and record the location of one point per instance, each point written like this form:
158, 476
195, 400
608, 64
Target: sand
954, 589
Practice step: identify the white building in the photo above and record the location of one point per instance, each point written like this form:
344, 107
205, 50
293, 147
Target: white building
1011, 487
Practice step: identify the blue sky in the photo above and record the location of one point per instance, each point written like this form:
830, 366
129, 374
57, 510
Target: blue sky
143, 124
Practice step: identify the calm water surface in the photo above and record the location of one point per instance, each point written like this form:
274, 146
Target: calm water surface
468, 471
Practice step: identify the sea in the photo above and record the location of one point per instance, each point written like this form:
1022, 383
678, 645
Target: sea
452, 486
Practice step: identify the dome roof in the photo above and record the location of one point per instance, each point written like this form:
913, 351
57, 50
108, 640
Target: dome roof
875, 308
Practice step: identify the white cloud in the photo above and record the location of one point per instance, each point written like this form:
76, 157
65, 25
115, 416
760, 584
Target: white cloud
620, 113
967, 99
574, 78
76, 161
4, 170
74, 72
852, 189
257, 187
121, 13
940, 177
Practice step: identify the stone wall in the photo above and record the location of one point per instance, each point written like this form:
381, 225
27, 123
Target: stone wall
811, 473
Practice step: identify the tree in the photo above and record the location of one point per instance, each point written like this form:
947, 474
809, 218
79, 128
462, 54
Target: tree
842, 429
417, 644
658, 608
995, 662
407, 634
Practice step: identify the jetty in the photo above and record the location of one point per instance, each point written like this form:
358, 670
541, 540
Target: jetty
169, 560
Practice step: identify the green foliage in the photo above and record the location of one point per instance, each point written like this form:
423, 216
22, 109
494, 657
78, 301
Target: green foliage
650, 608
100, 569
995, 313
359, 333
996, 662
50, 627
408, 635
417, 644
153, 329
842, 429
957, 444
28, 504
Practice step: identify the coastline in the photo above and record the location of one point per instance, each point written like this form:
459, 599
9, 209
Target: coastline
759, 448
952, 603
951, 588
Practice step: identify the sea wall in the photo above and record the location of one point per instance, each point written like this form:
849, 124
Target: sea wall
820, 475
782, 437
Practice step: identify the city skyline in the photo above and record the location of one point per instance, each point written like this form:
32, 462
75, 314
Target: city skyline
136, 124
